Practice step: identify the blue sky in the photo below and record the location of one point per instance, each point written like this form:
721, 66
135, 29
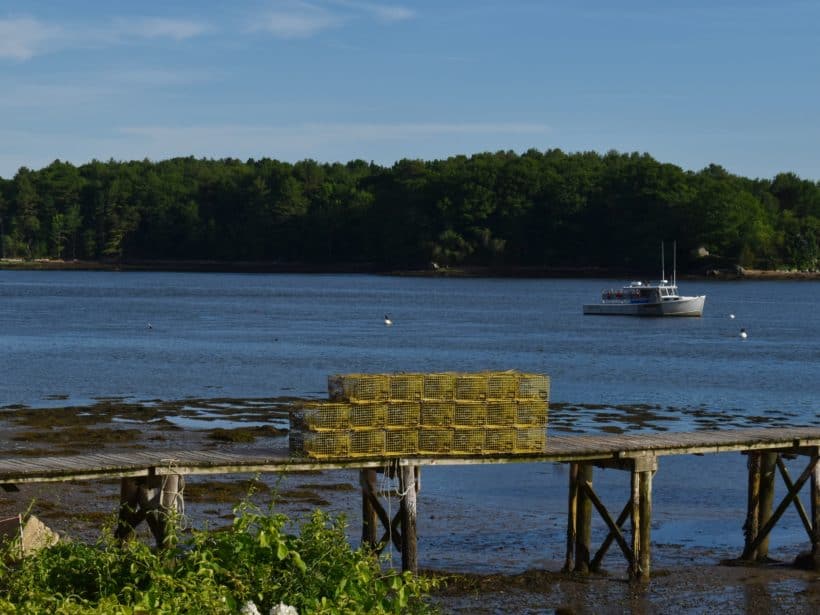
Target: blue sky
736, 83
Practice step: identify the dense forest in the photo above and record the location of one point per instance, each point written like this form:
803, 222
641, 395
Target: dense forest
534, 210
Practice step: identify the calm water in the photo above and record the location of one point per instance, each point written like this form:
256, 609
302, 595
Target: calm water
79, 336
86, 335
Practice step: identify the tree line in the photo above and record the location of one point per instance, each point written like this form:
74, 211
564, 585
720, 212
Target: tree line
539, 209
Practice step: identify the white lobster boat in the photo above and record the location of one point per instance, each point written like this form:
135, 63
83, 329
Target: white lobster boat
659, 298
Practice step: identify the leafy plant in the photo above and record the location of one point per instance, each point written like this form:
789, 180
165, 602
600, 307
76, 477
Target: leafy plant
314, 569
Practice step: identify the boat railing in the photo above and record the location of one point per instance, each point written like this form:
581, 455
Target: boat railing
619, 295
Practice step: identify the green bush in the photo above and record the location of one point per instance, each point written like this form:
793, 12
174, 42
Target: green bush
216, 572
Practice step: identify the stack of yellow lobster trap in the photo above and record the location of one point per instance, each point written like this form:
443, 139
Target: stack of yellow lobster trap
404, 415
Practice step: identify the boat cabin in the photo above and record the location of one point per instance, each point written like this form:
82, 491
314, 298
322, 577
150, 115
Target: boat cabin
641, 292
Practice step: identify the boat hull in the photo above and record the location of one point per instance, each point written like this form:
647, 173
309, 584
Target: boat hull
679, 306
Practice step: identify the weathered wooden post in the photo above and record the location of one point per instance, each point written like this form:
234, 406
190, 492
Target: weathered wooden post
582, 498
407, 485
572, 513
129, 516
155, 499
162, 518
762, 467
642, 470
752, 525
367, 481
792, 497
768, 467
815, 509
583, 524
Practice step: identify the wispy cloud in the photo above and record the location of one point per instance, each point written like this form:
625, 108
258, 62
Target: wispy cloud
87, 89
155, 27
24, 37
382, 12
393, 13
159, 77
292, 19
308, 139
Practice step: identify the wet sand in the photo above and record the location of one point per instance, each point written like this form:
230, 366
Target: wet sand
484, 573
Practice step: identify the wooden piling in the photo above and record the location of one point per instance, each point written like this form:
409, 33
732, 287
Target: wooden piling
583, 523
634, 568
752, 525
768, 467
791, 497
644, 527
815, 509
760, 499
129, 514
409, 550
162, 520
155, 499
572, 512
641, 504
367, 481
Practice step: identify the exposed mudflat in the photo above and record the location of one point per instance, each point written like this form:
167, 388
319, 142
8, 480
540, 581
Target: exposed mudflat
700, 588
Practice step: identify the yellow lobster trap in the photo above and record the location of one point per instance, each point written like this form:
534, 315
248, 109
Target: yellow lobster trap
405, 414
321, 416
359, 387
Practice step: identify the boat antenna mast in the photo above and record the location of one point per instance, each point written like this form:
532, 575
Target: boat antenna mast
663, 266
674, 263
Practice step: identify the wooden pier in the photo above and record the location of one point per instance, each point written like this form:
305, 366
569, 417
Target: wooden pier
150, 484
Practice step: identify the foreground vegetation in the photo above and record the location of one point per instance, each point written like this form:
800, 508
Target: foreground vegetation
255, 560
537, 209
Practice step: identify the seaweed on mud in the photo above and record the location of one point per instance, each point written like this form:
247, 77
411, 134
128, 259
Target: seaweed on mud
224, 491
69, 430
332, 486
101, 412
88, 436
238, 435
245, 435
467, 583
302, 495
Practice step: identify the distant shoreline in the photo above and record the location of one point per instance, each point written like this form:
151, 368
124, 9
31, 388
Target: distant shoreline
205, 266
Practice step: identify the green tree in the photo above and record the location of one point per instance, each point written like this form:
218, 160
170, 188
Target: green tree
72, 224
800, 241
797, 195
27, 222
3, 208
539, 208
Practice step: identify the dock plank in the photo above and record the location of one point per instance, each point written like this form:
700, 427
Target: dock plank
560, 448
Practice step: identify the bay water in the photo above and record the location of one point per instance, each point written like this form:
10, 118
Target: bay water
73, 337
